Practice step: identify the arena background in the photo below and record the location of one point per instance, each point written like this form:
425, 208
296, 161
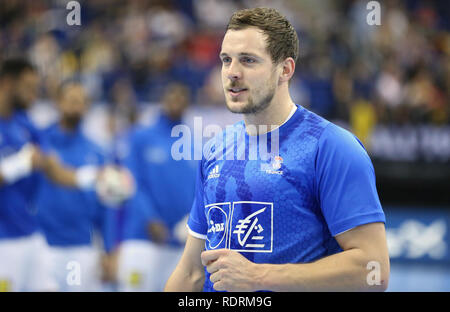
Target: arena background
389, 84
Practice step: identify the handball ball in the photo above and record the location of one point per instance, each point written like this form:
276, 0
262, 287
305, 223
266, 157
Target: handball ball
114, 185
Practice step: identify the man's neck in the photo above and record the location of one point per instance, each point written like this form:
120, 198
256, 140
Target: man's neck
270, 118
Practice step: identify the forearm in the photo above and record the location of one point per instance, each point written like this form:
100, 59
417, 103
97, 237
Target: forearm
186, 281
62, 176
82, 178
345, 271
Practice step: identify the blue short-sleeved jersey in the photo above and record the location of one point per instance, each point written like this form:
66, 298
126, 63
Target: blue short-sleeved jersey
288, 208
16, 210
35, 134
67, 216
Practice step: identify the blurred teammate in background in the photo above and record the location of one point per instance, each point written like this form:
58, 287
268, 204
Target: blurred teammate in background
154, 225
122, 122
19, 180
24, 263
24, 93
69, 216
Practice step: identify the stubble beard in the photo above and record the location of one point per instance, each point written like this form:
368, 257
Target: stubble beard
253, 107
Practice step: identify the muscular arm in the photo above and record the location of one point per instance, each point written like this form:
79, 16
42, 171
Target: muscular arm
189, 275
344, 271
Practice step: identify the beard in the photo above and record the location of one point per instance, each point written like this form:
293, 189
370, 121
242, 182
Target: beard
72, 121
253, 106
18, 103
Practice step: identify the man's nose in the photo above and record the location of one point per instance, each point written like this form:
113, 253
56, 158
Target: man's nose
234, 71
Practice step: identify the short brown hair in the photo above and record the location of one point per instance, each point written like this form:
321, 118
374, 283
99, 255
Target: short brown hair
282, 40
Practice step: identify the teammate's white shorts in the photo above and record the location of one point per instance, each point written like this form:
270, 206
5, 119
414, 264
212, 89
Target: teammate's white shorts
76, 268
25, 264
146, 266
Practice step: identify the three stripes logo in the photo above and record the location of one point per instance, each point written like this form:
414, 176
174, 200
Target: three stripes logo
214, 173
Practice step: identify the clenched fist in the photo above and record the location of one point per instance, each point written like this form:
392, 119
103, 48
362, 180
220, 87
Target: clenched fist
230, 270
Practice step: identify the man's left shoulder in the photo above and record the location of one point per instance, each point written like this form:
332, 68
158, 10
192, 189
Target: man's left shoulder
338, 136
309, 124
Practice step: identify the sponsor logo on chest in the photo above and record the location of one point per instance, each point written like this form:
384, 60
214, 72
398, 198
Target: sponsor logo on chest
245, 226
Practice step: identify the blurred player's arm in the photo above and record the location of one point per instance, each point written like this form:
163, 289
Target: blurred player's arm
20, 164
189, 275
83, 177
106, 222
109, 264
344, 271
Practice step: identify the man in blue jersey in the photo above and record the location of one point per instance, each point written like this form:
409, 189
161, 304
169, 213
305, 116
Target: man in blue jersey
165, 189
69, 216
305, 219
24, 264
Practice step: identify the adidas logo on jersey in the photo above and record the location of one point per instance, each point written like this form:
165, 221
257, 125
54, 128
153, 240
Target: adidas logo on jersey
214, 173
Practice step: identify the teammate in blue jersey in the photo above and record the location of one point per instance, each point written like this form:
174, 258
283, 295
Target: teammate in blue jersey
68, 216
307, 218
151, 247
24, 262
122, 122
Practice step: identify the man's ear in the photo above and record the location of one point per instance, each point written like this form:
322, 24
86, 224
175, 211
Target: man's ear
288, 69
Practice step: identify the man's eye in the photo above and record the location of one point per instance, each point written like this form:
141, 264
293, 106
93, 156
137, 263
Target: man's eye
248, 60
226, 60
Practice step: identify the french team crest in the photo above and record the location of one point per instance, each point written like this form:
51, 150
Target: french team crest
277, 162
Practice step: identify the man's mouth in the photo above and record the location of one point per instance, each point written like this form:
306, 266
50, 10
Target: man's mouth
236, 91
